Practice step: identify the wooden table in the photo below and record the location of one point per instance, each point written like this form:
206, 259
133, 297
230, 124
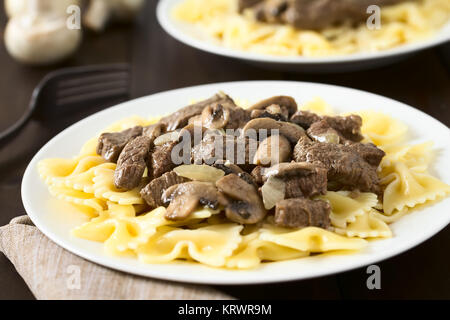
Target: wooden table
160, 63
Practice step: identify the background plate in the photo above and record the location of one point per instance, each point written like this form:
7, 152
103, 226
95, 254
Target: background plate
191, 36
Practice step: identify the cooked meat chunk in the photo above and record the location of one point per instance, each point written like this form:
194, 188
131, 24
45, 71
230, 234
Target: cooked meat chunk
346, 168
349, 127
224, 116
216, 147
186, 197
161, 159
286, 105
314, 14
301, 179
298, 213
153, 191
180, 118
305, 118
244, 203
154, 131
321, 131
111, 144
368, 151
272, 150
132, 163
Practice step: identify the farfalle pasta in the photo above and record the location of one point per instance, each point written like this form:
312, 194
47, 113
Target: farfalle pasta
123, 221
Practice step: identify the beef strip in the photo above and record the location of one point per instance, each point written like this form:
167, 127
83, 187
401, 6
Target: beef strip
154, 131
300, 212
346, 168
301, 179
132, 162
180, 118
305, 118
314, 14
153, 191
368, 151
348, 127
161, 159
235, 150
111, 144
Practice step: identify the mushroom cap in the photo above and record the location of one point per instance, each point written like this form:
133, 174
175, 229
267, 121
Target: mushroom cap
282, 101
186, 197
40, 40
245, 206
267, 156
291, 131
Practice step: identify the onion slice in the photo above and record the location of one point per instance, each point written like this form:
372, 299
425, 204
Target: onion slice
167, 137
197, 172
273, 190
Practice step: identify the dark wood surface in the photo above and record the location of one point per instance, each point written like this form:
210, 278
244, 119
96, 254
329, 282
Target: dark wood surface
160, 63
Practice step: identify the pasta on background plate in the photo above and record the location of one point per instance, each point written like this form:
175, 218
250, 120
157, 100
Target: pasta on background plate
401, 24
123, 223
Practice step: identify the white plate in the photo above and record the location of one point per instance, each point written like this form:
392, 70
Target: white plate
190, 36
55, 219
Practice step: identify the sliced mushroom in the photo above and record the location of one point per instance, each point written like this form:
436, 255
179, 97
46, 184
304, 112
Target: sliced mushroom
227, 167
186, 197
274, 149
224, 116
291, 131
245, 205
273, 111
282, 101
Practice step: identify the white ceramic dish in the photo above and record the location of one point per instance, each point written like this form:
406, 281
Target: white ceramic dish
55, 219
190, 36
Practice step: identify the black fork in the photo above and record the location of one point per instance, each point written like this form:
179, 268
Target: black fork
71, 89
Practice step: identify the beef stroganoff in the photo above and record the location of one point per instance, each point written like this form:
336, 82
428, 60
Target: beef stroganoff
315, 182
313, 29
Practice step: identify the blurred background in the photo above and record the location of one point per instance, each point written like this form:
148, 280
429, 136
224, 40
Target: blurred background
158, 63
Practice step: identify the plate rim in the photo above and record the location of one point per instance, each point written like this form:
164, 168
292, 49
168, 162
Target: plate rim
166, 22
127, 268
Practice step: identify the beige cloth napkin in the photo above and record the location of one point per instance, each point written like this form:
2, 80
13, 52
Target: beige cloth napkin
54, 273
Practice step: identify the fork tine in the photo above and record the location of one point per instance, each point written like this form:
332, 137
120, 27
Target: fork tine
89, 88
86, 79
84, 98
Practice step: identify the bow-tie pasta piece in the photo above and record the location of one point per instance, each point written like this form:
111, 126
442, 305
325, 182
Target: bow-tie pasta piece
345, 209
105, 189
210, 245
382, 129
367, 225
406, 188
252, 251
310, 239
